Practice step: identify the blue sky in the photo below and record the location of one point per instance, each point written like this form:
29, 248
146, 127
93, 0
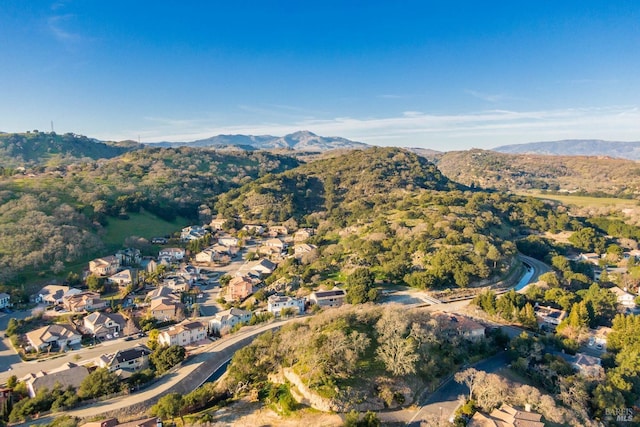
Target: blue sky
445, 75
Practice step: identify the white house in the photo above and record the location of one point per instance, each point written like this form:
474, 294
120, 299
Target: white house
183, 334
225, 320
624, 298
123, 278
253, 228
277, 303
217, 223
54, 294
4, 300
228, 241
172, 254
192, 232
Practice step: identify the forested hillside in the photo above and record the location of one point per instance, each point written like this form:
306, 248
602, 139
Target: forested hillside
50, 149
590, 175
56, 217
394, 213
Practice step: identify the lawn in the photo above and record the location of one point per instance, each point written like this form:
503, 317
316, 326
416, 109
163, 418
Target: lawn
143, 224
581, 201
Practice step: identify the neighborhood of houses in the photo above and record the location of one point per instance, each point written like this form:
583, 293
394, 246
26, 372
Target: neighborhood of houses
172, 302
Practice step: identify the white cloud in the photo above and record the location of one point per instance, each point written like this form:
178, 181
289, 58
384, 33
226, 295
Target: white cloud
483, 129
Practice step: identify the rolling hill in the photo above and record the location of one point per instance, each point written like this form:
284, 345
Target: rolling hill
576, 147
44, 148
490, 169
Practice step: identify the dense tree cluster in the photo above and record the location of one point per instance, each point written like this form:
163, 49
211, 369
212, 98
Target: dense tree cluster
365, 342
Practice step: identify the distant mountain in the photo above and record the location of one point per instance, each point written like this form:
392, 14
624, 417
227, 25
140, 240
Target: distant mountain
49, 148
576, 147
299, 141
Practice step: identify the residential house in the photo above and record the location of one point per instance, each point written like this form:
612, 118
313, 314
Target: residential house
84, 301
460, 325
159, 292
172, 254
5, 300
276, 244
149, 265
166, 308
217, 223
624, 298
260, 268
586, 365
103, 324
54, 294
550, 316
255, 229
69, 375
228, 241
277, 303
333, 298
56, 336
106, 266
591, 257
506, 416
301, 249
207, 256
176, 284
129, 256
225, 320
279, 230
124, 278
131, 359
239, 288
184, 334
303, 234
192, 232
112, 422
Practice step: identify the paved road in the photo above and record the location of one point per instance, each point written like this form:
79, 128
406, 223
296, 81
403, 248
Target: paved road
9, 358
215, 355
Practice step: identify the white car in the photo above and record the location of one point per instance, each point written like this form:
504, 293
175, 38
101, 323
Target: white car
109, 336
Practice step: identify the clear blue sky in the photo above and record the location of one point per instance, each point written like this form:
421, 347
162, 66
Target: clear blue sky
436, 74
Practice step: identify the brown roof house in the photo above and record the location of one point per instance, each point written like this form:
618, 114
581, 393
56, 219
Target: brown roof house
113, 422
84, 301
56, 336
105, 266
239, 288
506, 416
184, 334
460, 325
166, 308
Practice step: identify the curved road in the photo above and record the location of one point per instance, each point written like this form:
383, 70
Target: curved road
442, 403
183, 379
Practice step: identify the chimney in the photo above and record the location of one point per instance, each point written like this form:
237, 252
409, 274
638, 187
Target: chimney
527, 407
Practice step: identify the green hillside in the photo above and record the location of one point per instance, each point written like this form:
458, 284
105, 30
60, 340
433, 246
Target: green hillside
50, 149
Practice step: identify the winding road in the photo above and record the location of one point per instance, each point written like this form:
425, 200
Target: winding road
440, 404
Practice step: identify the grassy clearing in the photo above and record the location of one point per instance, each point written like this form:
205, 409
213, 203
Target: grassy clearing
582, 201
143, 224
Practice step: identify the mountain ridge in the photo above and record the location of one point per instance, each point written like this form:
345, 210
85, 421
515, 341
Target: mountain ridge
576, 147
299, 141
